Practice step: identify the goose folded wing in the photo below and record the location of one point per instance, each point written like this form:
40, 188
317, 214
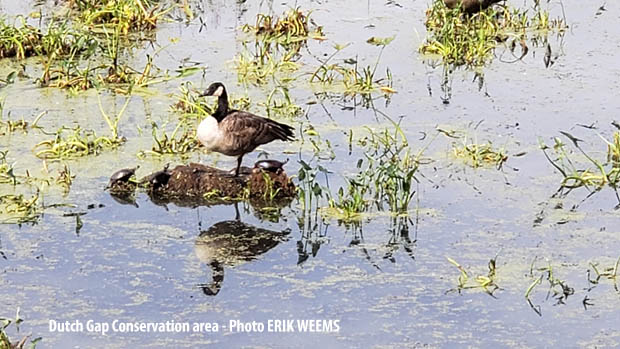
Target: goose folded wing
250, 129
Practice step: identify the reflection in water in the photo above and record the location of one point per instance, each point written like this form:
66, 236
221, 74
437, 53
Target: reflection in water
124, 198
399, 237
231, 243
314, 234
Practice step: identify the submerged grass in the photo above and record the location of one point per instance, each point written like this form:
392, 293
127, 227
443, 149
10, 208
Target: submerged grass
471, 40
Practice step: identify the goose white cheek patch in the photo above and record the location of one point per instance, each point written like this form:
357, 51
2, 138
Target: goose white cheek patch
219, 91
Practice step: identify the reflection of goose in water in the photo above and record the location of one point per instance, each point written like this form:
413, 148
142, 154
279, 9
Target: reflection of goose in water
231, 243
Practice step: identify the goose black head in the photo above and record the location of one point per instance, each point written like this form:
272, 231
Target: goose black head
216, 89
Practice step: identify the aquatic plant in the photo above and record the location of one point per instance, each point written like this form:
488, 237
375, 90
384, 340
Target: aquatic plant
17, 209
129, 16
7, 174
610, 273
486, 282
5, 342
558, 289
260, 65
175, 143
82, 142
471, 39
605, 172
477, 155
386, 176
65, 178
280, 104
352, 78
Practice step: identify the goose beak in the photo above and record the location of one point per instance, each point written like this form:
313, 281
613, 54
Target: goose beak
205, 93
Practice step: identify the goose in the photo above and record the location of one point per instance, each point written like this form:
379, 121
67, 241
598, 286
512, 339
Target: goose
470, 6
235, 132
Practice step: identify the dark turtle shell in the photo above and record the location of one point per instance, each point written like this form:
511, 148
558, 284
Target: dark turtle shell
159, 179
122, 175
270, 165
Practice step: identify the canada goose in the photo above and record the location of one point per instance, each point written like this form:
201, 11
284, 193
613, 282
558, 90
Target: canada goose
470, 6
234, 132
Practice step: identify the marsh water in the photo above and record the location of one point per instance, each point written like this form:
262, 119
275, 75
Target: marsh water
386, 280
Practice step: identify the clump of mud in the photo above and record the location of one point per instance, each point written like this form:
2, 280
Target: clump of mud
196, 184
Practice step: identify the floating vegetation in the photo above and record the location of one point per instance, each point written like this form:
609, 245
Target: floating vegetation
5, 342
610, 273
288, 32
262, 65
65, 178
82, 142
486, 282
290, 29
352, 78
17, 209
77, 144
471, 39
21, 40
478, 155
6, 169
386, 176
280, 104
126, 15
277, 42
605, 172
176, 143
558, 289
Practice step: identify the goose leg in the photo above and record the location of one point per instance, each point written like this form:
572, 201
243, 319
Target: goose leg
238, 165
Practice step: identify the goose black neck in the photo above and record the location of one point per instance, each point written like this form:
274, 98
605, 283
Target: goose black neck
222, 107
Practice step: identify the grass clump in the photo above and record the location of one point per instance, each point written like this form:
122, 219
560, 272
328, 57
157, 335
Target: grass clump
6, 169
471, 40
18, 209
127, 15
181, 141
385, 179
21, 40
277, 42
486, 282
352, 78
479, 155
558, 289
604, 172
610, 273
82, 142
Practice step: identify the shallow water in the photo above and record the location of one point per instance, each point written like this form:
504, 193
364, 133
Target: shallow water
386, 289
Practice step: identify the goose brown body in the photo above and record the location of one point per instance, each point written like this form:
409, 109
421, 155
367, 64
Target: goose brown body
470, 6
235, 132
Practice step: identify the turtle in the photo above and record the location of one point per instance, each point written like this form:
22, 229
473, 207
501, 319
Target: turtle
159, 178
121, 176
270, 165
